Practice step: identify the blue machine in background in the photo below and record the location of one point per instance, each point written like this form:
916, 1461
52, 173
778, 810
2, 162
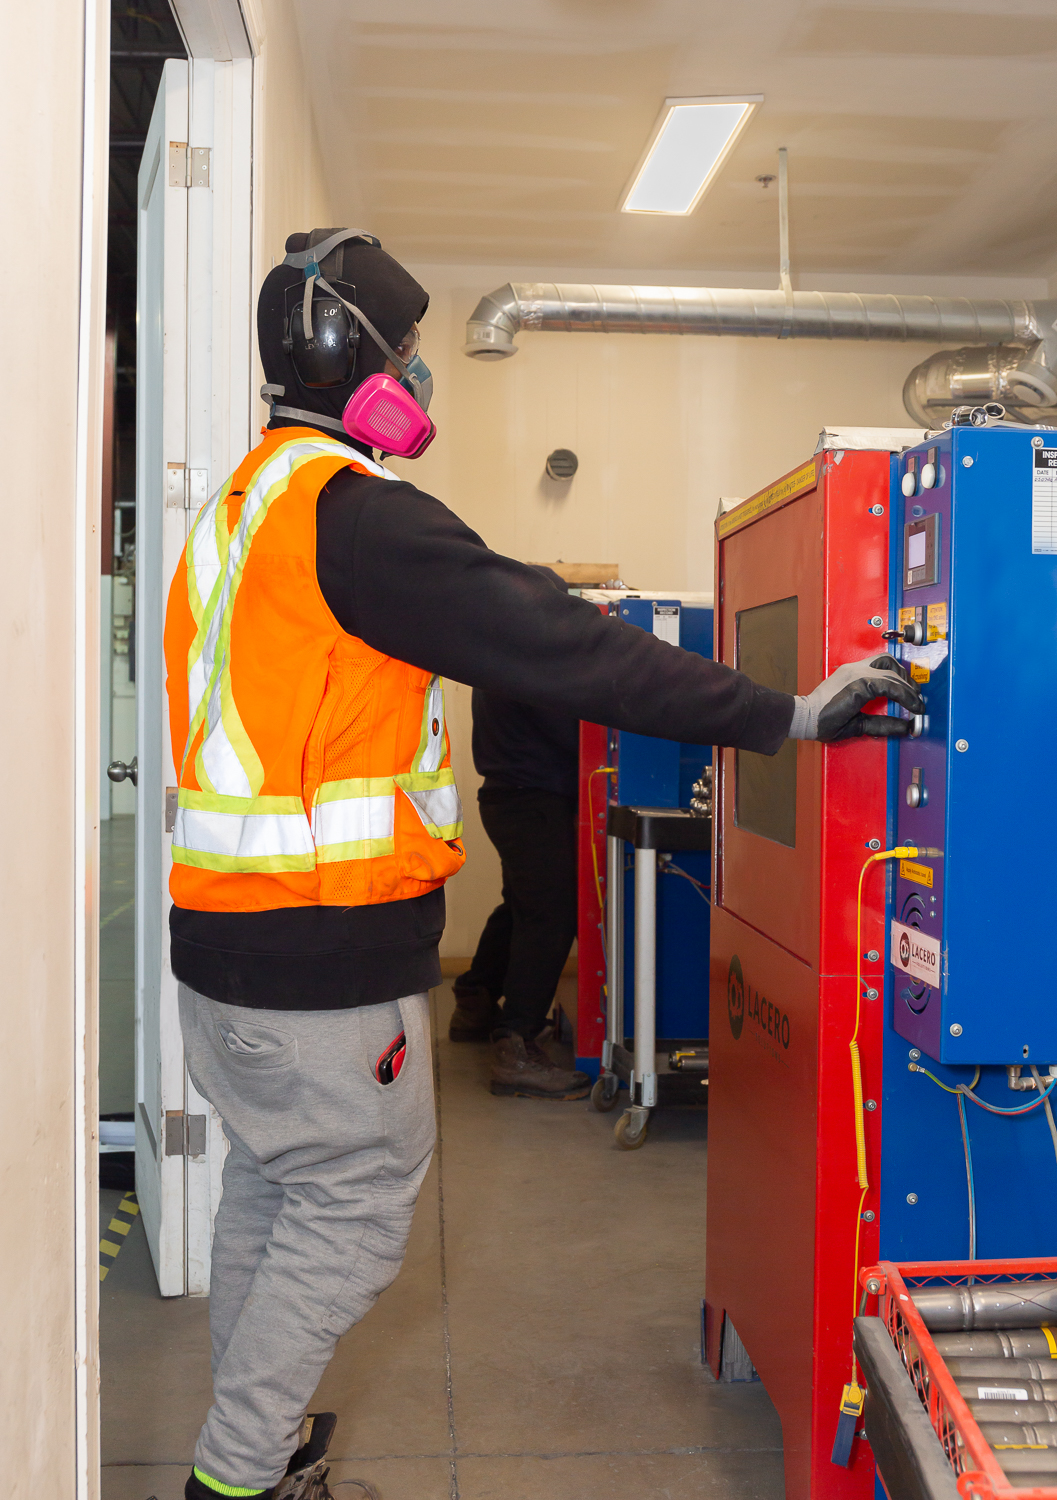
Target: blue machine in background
971, 927
662, 773
657, 905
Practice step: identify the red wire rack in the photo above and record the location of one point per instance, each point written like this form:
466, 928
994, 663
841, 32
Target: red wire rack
980, 1476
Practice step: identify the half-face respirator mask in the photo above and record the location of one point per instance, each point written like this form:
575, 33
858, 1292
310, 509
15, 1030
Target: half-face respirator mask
321, 334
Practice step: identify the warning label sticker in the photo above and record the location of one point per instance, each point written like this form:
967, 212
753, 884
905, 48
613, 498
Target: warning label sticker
920, 874
936, 622
1043, 499
915, 953
1001, 1393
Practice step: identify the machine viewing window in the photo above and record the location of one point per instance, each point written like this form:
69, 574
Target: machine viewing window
765, 785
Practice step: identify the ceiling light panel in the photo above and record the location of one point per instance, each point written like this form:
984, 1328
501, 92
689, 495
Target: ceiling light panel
689, 144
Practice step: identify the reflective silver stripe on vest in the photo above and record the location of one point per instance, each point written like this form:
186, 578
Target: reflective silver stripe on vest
440, 809
243, 835
353, 820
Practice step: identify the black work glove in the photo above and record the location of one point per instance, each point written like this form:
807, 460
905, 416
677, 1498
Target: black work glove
833, 710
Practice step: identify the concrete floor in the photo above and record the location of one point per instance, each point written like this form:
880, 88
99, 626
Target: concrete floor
541, 1342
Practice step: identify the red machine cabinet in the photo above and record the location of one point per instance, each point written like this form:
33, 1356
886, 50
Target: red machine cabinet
782, 1187
590, 1020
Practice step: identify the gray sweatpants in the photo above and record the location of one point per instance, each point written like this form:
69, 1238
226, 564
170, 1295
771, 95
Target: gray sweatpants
319, 1189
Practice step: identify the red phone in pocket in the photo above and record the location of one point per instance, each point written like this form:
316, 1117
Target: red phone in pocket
388, 1066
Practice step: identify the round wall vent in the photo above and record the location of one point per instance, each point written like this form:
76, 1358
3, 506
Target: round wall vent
562, 464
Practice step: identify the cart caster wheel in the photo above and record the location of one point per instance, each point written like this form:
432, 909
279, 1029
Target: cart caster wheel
605, 1093
630, 1133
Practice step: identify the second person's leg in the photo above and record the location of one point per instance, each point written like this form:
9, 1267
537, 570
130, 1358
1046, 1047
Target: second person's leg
535, 834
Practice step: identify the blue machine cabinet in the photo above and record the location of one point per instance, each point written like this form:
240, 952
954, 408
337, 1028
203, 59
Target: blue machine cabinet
660, 939
661, 773
968, 991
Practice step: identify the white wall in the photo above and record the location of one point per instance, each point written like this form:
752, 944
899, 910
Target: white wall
662, 426
49, 688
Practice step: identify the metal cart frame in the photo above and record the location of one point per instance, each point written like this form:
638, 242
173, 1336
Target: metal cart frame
651, 831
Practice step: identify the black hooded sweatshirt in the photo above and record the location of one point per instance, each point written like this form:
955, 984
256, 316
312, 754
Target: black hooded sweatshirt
401, 572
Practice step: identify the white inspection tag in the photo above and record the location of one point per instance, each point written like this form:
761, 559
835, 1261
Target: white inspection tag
1043, 499
1001, 1393
915, 953
666, 623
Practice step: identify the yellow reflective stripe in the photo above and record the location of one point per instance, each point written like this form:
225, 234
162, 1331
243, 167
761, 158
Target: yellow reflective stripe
432, 744
363, 786
244, 864
208, 512
244, 806
425, 781
244, 835
435, 798
330, 854
226, 751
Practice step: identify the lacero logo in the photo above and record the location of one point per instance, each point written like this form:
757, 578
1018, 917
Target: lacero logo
735, 997
745, 1003
904, 948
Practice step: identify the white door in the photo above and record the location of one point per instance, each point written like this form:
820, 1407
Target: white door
179, 1145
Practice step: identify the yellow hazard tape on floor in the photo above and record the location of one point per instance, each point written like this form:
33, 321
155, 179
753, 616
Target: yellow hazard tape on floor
108, 1249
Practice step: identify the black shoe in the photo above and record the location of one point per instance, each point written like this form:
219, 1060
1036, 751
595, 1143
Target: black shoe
476, 1013
306, 1473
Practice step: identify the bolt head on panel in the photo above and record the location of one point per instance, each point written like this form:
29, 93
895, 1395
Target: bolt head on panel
912, 1198
956, 1029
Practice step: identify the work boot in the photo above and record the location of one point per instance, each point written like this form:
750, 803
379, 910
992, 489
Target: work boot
306, 1473
475, 1013
521, 1067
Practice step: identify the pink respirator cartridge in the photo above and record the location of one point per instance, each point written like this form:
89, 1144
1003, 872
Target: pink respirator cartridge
382, 414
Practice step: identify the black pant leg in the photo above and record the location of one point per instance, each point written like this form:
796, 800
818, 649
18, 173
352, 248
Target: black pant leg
492, 958
535, 835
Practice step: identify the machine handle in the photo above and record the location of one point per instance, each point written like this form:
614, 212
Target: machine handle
118, 771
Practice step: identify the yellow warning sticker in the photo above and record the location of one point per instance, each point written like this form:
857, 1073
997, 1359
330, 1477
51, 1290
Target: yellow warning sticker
907, 616
919, 874
936, 622
919, 671
797, 483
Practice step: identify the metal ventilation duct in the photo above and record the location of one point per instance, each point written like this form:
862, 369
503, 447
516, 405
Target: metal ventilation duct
1020, 367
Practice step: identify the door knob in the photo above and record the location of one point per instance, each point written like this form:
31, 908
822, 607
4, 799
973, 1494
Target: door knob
118, 771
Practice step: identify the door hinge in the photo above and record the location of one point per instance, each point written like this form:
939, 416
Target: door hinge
188, 168
172, 794
186, 487
185, 1135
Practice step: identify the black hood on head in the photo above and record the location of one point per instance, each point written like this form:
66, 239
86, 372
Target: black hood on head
389, 296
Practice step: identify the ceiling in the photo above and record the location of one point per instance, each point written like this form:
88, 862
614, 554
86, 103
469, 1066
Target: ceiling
921, 136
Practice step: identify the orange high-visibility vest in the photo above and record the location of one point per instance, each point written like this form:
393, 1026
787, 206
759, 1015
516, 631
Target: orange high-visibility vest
312, 769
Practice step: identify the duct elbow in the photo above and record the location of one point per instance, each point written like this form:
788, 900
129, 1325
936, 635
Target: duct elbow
491, 328
1023, 380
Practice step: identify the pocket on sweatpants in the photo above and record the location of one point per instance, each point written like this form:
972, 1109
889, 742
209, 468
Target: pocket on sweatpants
247, 1045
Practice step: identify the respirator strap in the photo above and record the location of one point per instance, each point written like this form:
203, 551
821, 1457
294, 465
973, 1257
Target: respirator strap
310, 418
302, 258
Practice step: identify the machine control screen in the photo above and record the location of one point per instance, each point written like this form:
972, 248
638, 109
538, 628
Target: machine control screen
921, 552
765, 785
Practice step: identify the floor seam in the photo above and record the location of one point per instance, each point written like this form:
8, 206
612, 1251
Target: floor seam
453, 1483
377, 1458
